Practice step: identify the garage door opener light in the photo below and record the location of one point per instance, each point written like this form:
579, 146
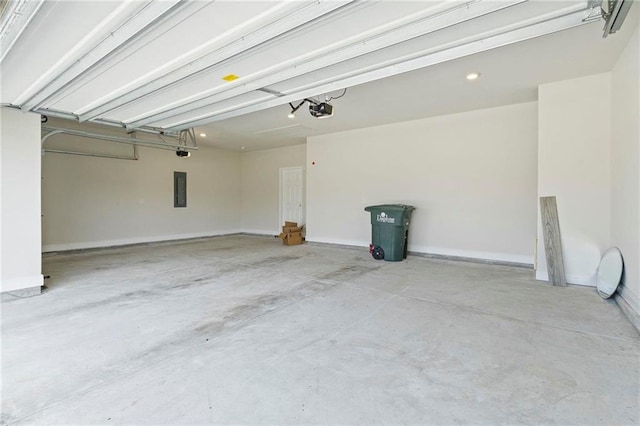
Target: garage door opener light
316, 109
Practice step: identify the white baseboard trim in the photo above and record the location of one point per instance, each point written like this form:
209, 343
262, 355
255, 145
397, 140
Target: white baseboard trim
472, 260
505, 258
629, 305
575, 279
435, 252
261, 232
23, 293
21, 283
138, 240
632, 299
337, 242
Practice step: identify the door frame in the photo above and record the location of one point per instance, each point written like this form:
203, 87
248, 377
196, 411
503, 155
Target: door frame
280, 192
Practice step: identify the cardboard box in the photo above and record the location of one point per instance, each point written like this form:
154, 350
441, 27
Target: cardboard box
293, 239
290, 229
291, 234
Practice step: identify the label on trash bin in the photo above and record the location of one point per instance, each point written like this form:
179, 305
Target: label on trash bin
382, 217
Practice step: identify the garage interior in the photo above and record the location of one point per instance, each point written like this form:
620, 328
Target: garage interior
151, 151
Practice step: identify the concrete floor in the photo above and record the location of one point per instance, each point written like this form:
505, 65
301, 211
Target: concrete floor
244, 330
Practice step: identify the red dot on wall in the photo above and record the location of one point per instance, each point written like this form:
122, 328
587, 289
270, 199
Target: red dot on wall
313, 163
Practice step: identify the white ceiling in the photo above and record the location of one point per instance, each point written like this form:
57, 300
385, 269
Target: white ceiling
160, 64
509, 75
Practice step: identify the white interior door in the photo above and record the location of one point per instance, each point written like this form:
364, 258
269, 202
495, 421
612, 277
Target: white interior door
291, 195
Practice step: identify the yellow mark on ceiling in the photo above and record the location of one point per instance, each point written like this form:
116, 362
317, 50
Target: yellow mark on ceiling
230, 77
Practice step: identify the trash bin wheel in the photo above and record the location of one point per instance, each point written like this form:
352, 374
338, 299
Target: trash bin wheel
377, 253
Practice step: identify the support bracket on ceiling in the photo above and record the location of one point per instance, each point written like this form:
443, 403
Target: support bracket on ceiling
614, 13
184, 141
91, 154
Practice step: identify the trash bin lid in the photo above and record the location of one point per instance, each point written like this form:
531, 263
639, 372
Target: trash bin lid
390, 207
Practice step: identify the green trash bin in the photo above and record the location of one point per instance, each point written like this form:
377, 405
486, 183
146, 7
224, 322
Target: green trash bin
389, 231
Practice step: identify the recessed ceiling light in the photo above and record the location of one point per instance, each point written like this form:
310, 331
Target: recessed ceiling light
243, 148
203, 135
473, 76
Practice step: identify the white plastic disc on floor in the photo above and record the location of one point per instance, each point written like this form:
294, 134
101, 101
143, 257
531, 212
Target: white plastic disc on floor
609, 272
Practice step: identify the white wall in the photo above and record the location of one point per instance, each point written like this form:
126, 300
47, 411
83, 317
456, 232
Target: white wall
94, 202
20, 258
260, 186
625, 166
471, 177
574, 165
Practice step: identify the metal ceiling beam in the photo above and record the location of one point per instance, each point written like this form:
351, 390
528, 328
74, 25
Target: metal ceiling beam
82, 47
89, 154
426, 21
111, 123
617, 11
278, 20
16, 18
117, 38
183, 10
162, 144
542, 25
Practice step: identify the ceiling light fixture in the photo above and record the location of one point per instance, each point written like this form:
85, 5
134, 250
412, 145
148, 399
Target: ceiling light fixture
203, 135
473, 76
